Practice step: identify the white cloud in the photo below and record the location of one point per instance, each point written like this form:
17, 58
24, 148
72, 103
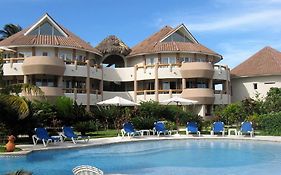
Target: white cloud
241, 22
235, 52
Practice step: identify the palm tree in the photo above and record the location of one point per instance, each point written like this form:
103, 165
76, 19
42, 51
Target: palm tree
9, 95
8, 30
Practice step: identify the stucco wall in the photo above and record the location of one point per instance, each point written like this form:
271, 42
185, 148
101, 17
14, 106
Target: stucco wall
244, 87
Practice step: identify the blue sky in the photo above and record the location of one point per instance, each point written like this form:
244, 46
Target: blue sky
235, 29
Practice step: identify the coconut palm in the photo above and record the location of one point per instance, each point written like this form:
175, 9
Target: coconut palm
8, 30
9, 95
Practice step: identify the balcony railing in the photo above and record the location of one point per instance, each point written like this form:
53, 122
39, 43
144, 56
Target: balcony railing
170, 91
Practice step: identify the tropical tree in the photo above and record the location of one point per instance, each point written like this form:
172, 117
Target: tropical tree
9, 95
273, 100
9, 30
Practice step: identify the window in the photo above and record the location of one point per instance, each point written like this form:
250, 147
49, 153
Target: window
168, 60
46, 82
201, 59
45, 54
255, 86
270, 82
177, 37
24, 54
65, 56
150, 61
45, 29
186, 60
166, 85
81, 58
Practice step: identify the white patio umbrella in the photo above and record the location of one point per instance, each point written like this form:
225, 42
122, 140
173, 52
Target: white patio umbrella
117, 101
177, 101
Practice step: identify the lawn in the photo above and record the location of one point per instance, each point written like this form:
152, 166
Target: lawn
3, 149
104, 133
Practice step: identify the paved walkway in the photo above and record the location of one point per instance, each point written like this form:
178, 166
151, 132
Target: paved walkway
113, 140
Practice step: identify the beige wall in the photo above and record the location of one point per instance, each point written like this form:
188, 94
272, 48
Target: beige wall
131, 62
243, 87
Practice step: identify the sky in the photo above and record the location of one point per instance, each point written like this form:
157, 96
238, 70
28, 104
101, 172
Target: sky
236, 29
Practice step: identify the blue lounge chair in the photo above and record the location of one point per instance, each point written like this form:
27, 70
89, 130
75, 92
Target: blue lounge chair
246, 128
128, 129
192, 128
42, 134
86, 170
67, 132
159, 127
218, 127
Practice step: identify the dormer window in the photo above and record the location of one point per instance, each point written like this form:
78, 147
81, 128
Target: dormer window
177, 37
45, 29
46, 26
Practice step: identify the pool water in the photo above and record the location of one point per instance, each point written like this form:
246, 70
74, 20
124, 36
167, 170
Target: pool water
167, 157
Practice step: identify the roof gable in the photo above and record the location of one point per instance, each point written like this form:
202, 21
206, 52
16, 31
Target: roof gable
46, 26
179, 34
267, 61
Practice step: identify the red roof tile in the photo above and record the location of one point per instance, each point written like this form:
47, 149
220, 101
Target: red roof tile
72, 41
153, 45
267, 61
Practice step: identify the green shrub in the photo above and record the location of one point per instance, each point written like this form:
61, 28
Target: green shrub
269, 123
86, 126
171, 125
143, 123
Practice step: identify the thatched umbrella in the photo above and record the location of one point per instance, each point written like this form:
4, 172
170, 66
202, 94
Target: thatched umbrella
113, 45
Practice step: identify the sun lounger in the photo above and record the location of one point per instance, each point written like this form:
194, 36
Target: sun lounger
246, 128
129, 130
159, 127
192, 128
42, 134
67, 132
218, 127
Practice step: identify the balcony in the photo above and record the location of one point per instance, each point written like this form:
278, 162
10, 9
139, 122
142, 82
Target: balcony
43, 65
51, 93
202, 95
197, 70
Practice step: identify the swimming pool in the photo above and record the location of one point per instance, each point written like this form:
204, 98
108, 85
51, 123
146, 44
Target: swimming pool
212, 157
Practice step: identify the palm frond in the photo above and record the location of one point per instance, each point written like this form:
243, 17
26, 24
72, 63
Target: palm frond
31, 89
17, 103
23, 87
20, 172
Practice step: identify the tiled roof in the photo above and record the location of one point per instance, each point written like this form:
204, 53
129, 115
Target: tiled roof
153, 45
267, 61
73, 41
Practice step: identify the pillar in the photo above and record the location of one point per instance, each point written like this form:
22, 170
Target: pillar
156, 86
135, 83
25, 79
88, 86
101, 82
60, 81
183, 83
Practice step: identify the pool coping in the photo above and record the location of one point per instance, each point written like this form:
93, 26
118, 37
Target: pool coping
27, 149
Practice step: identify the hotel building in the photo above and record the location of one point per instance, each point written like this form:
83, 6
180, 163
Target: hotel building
257, 75
171, 62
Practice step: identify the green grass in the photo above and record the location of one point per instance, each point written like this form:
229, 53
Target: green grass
105, 133
3, 149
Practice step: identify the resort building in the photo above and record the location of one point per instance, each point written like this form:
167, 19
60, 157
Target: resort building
169, 63
256, 75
